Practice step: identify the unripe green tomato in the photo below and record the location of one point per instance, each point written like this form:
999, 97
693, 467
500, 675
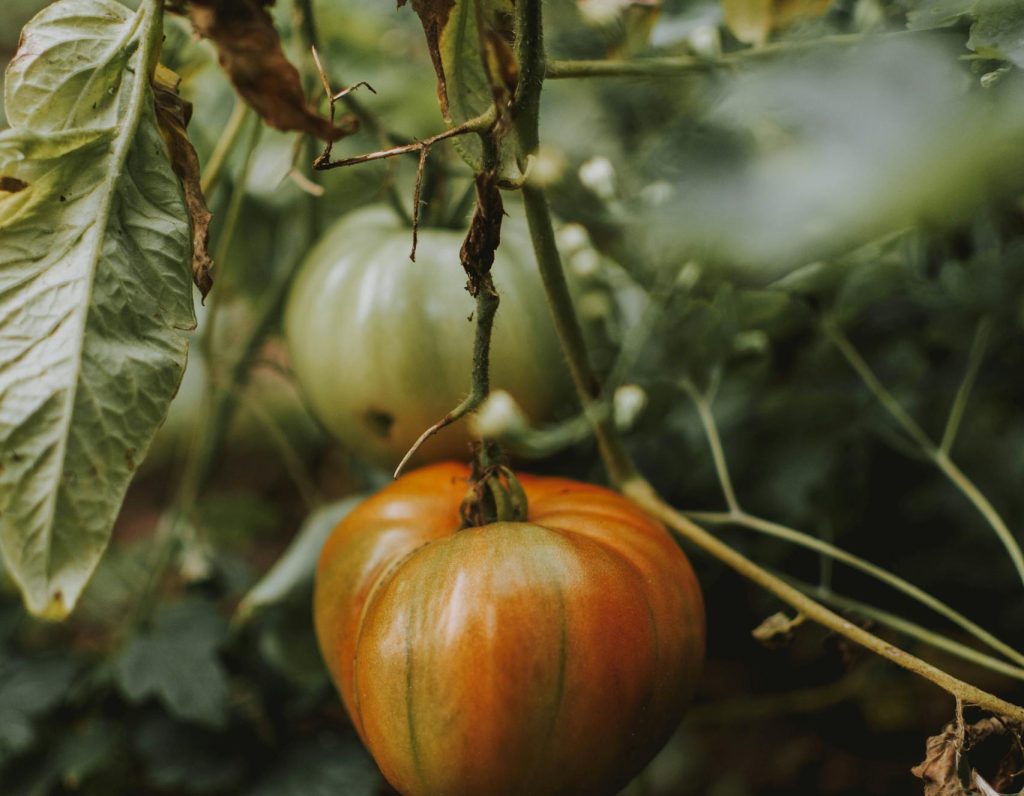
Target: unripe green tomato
382, 346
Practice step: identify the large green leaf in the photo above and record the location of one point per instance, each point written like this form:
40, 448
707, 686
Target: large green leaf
177, 662
95, 289
297, 565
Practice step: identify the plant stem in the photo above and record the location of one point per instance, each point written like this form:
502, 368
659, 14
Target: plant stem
644, 496
886, 398
793, 536
707, 420
963, 393
938, 456
673, 66
486, 307
369, 120
478, 124
225, 145
588, 387
529, 49
736, 516
907, 628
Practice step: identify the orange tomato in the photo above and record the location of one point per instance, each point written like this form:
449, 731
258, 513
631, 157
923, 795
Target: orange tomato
552, 656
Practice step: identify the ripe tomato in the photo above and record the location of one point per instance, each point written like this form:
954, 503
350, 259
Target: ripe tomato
552, 656
382, 346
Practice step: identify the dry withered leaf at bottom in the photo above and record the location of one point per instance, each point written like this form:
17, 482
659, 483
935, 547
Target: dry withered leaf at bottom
250, 52
173, 114
947, 770
777, 629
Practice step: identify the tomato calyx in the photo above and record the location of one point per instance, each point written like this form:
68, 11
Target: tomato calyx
495, 494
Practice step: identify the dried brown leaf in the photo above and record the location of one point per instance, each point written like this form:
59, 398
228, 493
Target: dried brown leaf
434, 16
484, 236
940, 769
173, 114
947, 771
776, 629
250, 52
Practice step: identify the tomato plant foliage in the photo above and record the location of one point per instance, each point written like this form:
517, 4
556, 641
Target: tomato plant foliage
806, 221
96, 289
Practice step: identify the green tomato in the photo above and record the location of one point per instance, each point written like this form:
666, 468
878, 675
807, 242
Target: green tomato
382, 346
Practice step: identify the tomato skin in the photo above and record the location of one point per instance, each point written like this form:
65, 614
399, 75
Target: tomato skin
553, 656
382, 346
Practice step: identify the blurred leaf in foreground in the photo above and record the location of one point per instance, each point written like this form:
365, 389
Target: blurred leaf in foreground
95, 293
28, 690
833, 149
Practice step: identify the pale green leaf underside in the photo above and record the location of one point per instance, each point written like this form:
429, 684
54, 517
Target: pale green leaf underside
297, 565
95, 289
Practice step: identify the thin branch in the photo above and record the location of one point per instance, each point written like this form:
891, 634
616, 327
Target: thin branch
644, 496
673, 66
417, 192
290, 458
910, 629
974, 359
707, 419
478, 124
486, 307
886, 398
793, 536
225, 145
970, 491
938, 456
226, 235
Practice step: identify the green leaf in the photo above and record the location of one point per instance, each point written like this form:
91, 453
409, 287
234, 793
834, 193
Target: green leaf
177, 662
327, 767
28, 690
95, 290
178, 759
297, 564
999, 31
929, 14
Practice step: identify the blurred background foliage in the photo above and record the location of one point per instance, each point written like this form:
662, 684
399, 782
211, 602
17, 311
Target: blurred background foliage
860, 166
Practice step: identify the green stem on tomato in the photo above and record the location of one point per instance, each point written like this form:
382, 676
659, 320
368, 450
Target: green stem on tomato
480, 386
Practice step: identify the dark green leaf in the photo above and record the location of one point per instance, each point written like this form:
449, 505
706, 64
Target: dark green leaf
177, 663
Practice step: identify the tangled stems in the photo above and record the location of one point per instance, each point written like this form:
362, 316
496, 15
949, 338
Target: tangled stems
740, 518
529, 48
937, 454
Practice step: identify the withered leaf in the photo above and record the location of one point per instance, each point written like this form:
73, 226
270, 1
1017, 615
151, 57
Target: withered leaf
250, 52
12, 184
470, 45
434, 15
173, 114
484, 236
776, 629
946, 769
940, 769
